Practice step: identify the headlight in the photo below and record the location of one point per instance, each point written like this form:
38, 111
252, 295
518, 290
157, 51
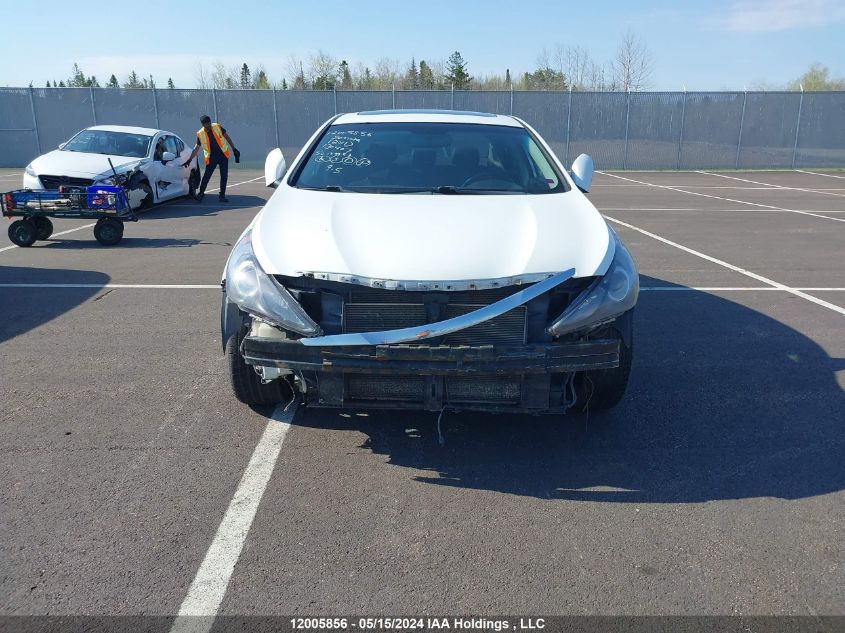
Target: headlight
257, 293
616, 292
29, 170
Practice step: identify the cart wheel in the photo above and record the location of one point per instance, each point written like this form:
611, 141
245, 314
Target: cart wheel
43, 227
108, 231
23, 232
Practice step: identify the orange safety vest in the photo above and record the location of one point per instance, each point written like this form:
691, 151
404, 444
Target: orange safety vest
202, 135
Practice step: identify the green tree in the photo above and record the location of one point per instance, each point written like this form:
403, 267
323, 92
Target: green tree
112, 82
261, 81
284, 84
545, 79
92, 82
133, 81
77, 79
366, 82
246, 78
62, 84
508, 82
817, 77
412, 77
170, 84
345, 76
48, 83
456, 72
299, 81
426, 80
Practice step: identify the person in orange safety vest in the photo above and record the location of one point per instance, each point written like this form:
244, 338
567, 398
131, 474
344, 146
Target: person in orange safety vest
216, 146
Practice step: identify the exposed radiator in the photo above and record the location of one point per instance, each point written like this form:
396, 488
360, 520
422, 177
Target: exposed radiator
506, 329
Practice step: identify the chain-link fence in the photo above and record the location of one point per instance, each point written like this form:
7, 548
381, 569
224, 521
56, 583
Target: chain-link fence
642, 130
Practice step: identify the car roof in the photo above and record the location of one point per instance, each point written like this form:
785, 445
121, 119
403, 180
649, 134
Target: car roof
427, 116
129, 129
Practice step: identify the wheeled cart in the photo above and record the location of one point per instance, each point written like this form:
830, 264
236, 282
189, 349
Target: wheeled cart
108, 204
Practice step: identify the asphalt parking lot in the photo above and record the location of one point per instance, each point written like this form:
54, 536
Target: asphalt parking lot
716, 487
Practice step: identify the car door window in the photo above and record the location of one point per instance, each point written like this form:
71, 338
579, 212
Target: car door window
160, 148
170, 145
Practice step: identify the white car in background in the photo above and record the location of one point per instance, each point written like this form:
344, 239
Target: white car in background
156, 157
429, 260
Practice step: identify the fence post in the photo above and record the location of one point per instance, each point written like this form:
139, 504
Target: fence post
334, 90
453, 95
568, 126
214, 100
797, 126
275, 117
34, 120
393, 95
511, 98
741, 122
93, 109
681, 135
155, 107
627, 117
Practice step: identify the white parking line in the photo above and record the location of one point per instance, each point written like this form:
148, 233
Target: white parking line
743, 271
78, 228
765, 186
88, 226
770, 186
709, 210
198, 610
707, 195
739, 288
816, 173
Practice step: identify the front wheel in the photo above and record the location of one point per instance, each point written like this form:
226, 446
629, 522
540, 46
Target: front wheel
193, 183
23, 232
246, 383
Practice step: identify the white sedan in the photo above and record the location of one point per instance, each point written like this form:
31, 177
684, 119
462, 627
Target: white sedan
156, 157
429, 260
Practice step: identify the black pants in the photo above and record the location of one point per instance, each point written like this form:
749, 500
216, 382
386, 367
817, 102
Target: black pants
209, 170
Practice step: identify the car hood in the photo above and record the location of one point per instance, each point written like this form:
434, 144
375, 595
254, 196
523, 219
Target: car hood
430, 237
79, 164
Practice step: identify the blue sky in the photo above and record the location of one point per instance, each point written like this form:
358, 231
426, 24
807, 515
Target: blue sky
701, 46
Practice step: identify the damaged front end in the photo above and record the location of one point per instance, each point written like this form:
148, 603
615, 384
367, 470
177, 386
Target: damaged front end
516, 344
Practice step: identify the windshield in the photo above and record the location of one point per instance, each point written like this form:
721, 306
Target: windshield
429, 157
114, 143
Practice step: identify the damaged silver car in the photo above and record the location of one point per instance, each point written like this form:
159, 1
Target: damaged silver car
429, 260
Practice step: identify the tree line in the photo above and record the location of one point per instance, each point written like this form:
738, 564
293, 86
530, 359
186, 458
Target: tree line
559, 68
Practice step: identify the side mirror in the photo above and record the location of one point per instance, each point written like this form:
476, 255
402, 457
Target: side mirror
168, 156
274, 168
62, 145
582, 172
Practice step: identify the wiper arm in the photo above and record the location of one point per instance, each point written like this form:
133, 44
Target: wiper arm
335, 188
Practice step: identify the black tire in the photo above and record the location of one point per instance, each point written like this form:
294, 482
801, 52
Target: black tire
193, 183
246, 384
603, 389
108, 231
43, 227
23, 232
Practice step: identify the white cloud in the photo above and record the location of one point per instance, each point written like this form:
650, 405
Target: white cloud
758, 16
